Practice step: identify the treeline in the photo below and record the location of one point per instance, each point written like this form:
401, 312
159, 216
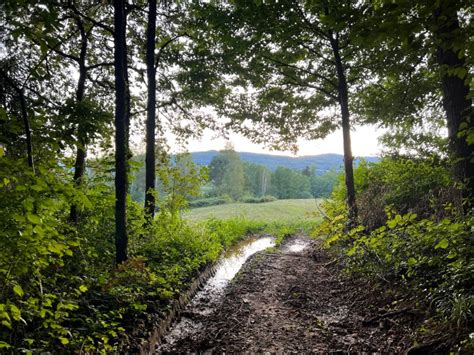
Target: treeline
228, 178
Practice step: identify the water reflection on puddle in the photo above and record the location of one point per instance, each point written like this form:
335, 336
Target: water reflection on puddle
295, 246
233, 261
205, 301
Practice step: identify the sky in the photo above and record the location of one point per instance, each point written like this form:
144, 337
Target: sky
364, 143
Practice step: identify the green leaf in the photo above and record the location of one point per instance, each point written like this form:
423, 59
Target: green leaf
64, 341
411, 261
33, 218
19, 218
443, 244
83, 288
18, 290
392, 223
6, 324
15, 311
4, 345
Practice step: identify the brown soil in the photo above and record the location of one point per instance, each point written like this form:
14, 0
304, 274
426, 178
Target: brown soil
302, 302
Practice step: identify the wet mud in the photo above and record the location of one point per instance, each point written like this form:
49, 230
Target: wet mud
295, 300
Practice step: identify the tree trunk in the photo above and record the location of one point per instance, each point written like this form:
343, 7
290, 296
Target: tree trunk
26, 123
24, 116
456, 103
121, 239
80, 162
128, 104
346, 132
151, 113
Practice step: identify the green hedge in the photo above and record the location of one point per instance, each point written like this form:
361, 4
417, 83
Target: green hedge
206, 202
262, 199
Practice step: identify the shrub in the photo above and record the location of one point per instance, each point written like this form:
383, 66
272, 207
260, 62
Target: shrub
409, 186
430, 252
266, 198
211, 201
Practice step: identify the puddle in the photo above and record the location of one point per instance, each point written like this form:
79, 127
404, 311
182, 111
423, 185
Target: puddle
206, 300
295, 246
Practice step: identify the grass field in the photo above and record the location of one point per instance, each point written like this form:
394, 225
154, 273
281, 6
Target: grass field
276, 211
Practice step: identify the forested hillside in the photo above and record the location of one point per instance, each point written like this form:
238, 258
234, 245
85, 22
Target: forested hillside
231, 178
98, 252
322, 163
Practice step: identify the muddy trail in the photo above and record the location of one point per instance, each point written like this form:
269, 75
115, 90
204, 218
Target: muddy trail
296, 299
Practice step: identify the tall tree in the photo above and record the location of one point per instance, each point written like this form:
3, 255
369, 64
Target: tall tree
227, 173
19, 96
120, 62
151, 111
295, 66
409, 94
455, 83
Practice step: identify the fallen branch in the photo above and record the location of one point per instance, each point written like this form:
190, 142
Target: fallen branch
389, 314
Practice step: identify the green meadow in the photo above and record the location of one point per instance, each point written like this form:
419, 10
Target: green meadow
275, 211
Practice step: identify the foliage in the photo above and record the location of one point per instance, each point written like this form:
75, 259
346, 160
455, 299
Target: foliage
418, 186
430, 252
267, 198
227, 173
60, 289
287, 184
179, 179
323, 185
433, 257
210, 201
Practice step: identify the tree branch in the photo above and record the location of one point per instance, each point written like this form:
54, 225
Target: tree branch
98, 65
309, 72
164, 45
297, 82
91, 20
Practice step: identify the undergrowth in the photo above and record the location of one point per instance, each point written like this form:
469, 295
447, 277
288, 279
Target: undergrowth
430, 252
59, 287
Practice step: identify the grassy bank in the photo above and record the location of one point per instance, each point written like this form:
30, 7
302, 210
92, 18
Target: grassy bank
268, 212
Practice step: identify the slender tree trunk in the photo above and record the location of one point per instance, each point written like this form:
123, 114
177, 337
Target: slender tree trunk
80, 162
128, 116
151, 112
24, 117
26, 123
128, 104
121, 239
346, 132
457, 105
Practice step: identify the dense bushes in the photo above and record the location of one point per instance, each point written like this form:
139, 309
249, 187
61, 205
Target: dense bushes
422, 242
59, 287
210, 201
251, 199
416, 186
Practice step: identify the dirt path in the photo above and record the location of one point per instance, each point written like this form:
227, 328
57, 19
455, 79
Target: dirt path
296, 301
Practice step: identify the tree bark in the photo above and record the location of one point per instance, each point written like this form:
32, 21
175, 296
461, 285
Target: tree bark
151, 113
457, 105
26, 123
343, 97
121, 238
80, 162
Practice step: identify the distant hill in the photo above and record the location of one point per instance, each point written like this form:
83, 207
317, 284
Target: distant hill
322, 162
